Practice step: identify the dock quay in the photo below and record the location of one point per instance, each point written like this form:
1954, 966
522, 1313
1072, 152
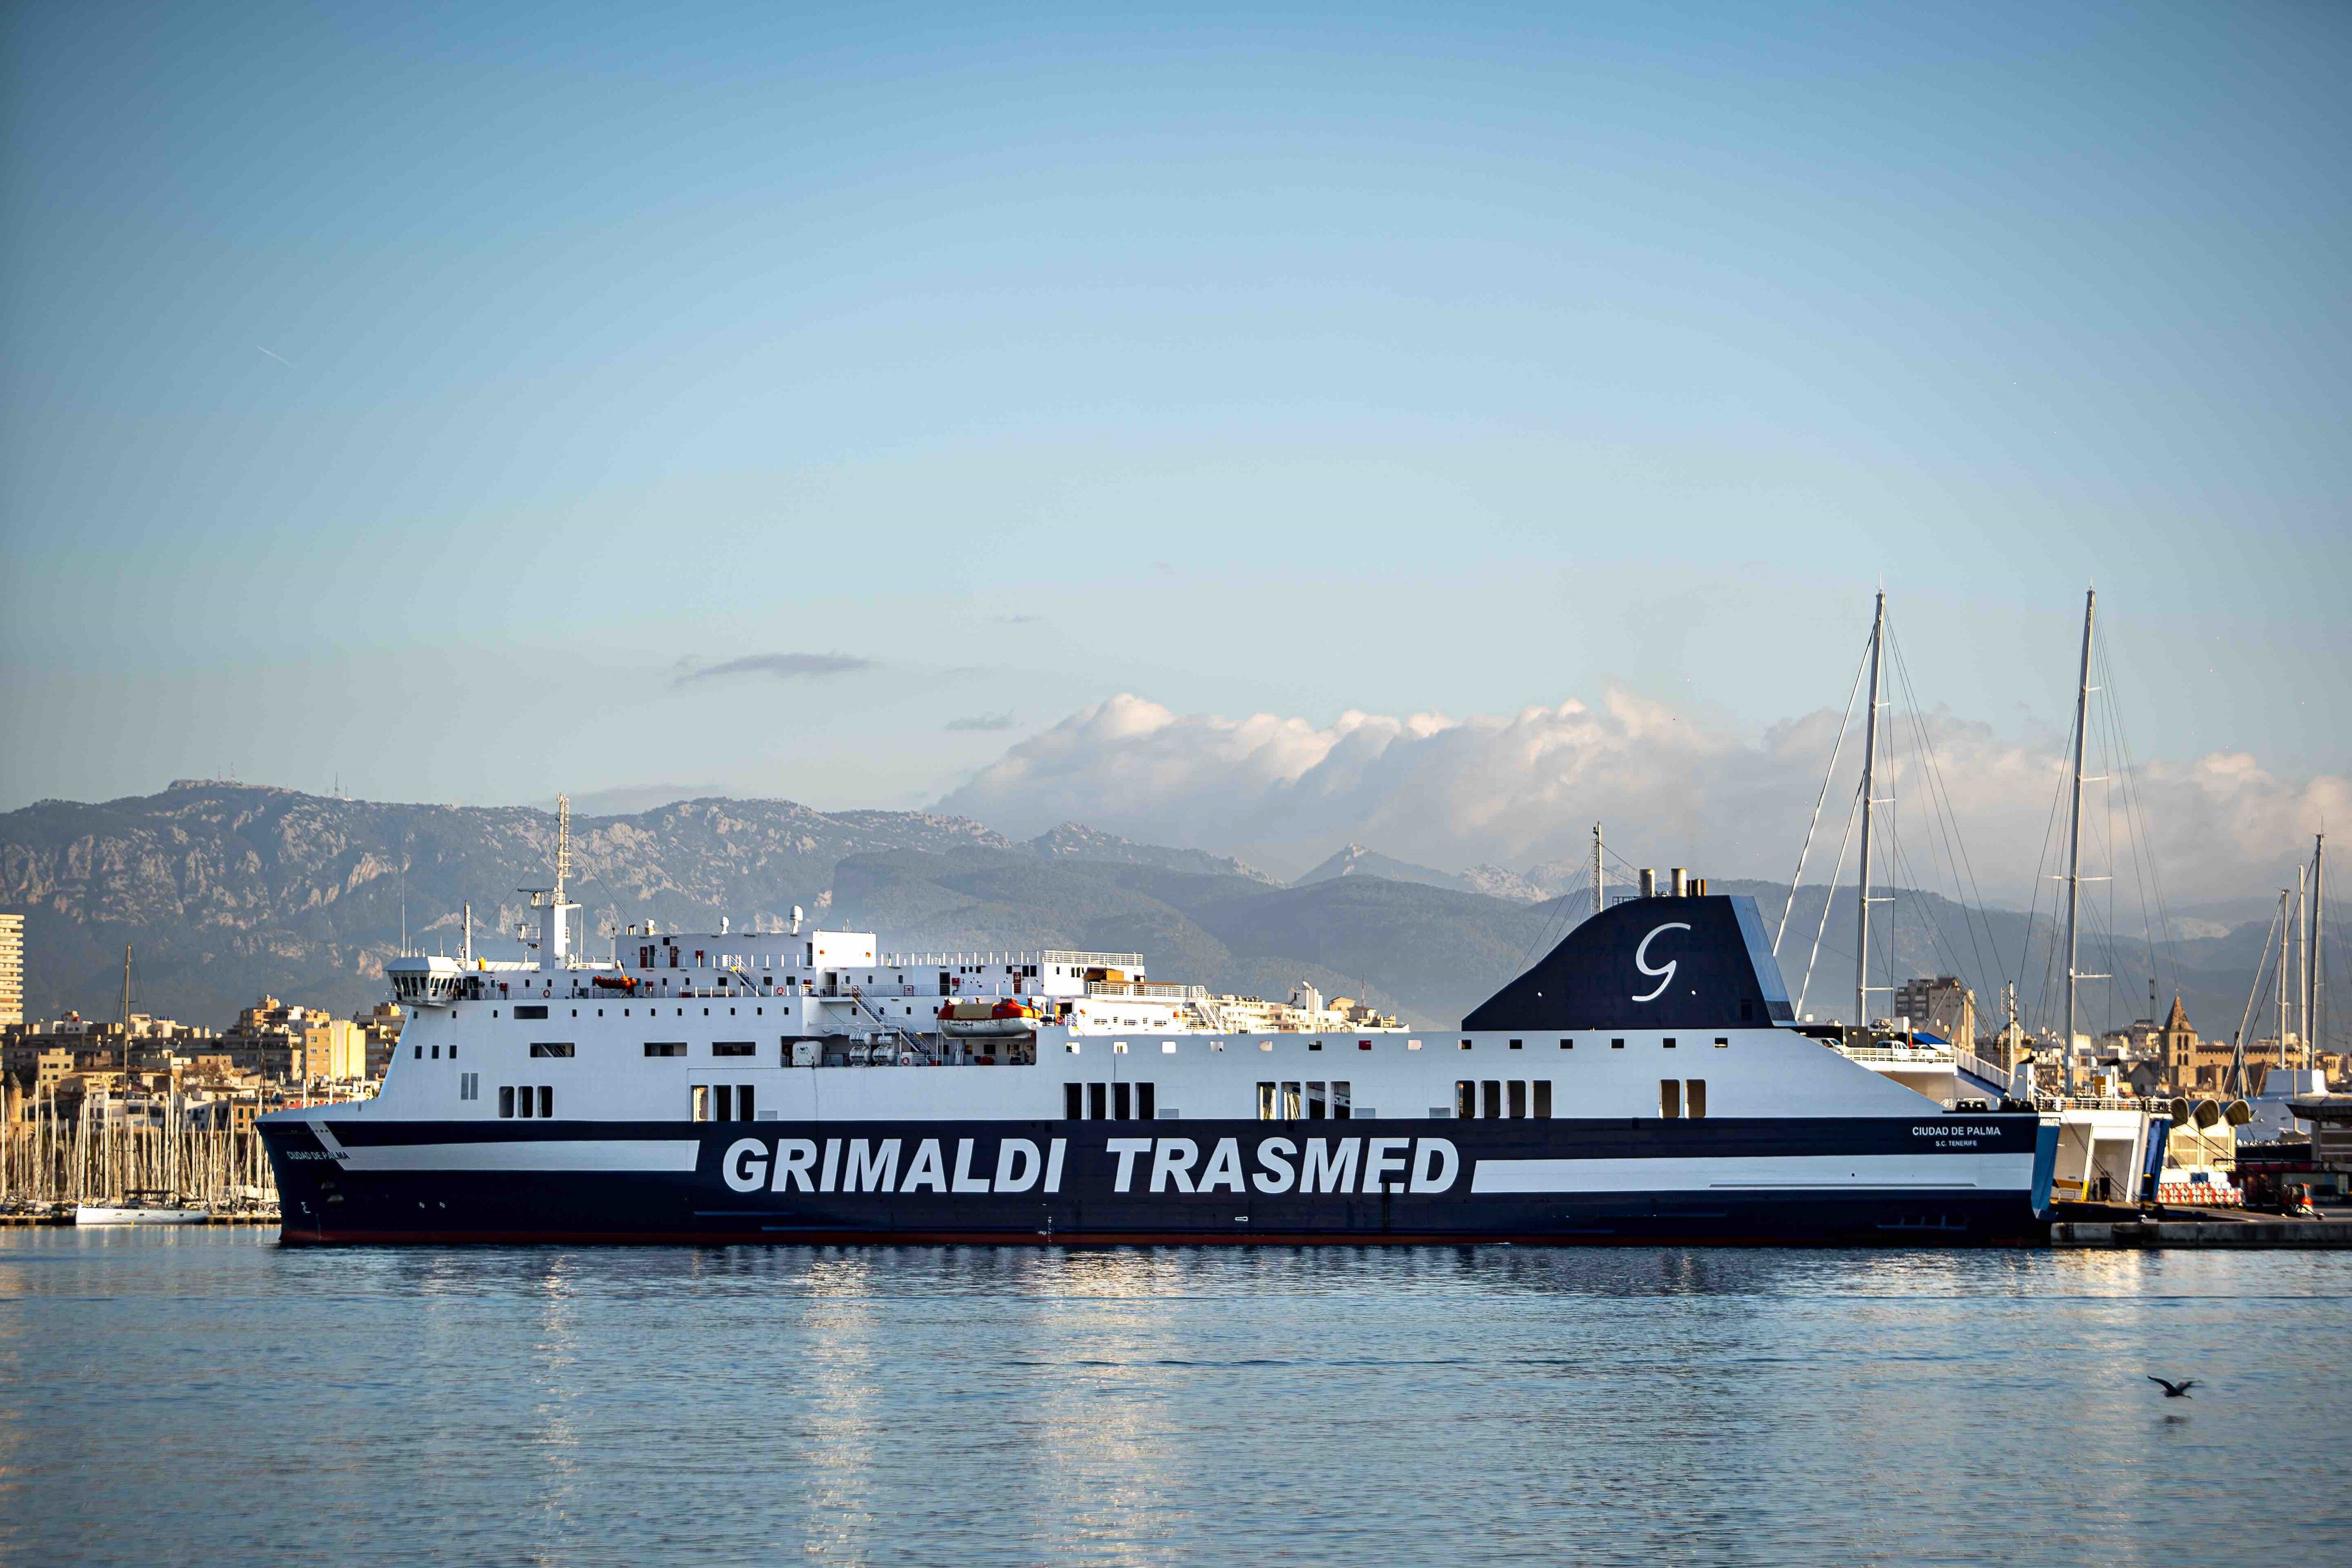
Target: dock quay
2207, 1228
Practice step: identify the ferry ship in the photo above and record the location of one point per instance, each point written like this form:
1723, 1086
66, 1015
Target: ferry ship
1643, 1082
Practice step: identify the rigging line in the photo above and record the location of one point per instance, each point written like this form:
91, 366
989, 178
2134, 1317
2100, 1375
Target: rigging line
1845, 721
2033, 910
1946, 816
2144, 848
1828, 897
2119, 773
2262, 965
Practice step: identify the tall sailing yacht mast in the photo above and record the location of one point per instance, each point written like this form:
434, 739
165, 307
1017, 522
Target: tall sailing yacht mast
1862, 900
2074, 825
2312, 982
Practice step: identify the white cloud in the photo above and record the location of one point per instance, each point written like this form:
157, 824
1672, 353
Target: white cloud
1518, 790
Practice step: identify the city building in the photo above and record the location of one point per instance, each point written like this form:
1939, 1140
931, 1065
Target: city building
12, 969
1941, 1006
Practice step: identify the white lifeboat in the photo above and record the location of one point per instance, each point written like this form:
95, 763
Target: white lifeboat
989, 1020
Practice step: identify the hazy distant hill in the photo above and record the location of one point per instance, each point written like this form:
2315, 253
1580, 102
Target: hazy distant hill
229, 889
1355, 859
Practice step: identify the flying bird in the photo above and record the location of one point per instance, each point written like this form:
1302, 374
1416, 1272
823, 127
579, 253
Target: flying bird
2174, 1390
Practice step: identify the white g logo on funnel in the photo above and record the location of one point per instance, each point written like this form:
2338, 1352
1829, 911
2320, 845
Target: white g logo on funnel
1642, 961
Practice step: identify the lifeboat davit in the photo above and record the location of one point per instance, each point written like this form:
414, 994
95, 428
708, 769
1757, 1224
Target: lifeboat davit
988, 1019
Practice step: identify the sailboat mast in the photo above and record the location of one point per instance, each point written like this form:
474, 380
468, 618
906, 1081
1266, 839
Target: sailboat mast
2074, 822
2285, 986
1869, 782
2312, 1021
2301, 955
126, 1025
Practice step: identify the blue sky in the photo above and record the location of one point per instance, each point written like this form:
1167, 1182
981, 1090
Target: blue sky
380, 385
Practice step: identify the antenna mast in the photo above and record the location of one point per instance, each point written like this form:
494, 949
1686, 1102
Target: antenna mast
2074, 824
1869, 778
1600, 876
562, 844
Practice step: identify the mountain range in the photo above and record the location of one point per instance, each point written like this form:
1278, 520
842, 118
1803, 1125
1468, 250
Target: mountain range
225, 891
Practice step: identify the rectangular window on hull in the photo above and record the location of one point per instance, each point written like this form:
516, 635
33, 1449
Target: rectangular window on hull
1670, 1098
743, 1102
1315, 1107
547, 1100
1267, 1103
1543, 1099
1465, 1099
1097, 1100
1147, 1102
530, 1012
1074, 1100
722, 1099
701, 1103
560, 1047
664, 1048
1294, 1101
506, 1099
1694, 1096
1122, 1097
1519, 1111
734, 1048
1490, 1096
1343, 1100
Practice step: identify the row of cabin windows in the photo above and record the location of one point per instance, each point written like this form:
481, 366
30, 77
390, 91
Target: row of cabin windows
1722, 1042
1110, 1102
723, 1101
1517, 1099
1306, 1101
526, 1100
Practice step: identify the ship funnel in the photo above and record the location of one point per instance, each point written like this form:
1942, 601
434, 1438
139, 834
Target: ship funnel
797, 917
1676, 884
1649, 882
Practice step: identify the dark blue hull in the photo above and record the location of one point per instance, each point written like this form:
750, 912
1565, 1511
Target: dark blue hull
1722, 1181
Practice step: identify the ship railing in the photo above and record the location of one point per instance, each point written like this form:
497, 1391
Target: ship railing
1169, 991
1924, 1055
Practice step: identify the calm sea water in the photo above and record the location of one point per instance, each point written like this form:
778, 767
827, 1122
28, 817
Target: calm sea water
209, 1397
